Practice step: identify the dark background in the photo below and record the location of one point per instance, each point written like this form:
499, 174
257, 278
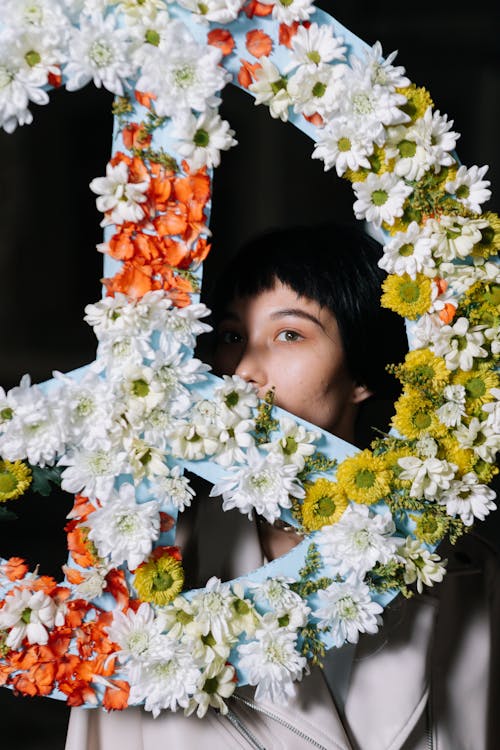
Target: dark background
49, 268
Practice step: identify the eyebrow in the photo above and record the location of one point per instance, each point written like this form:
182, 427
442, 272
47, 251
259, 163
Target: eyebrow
295, 312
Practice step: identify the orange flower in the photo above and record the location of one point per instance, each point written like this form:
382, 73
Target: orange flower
15, 568
55, 79
160, 187
247, 72
258, 43
5, 672
254, 8
116, 697
287, 32
132, 280
81, 508
315, 119
145, 98
447, 313
135, 136
223, 39
166, 522
79, 546
38, 680
117, 586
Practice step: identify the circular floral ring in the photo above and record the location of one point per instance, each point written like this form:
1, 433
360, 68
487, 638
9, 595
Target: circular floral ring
119, 630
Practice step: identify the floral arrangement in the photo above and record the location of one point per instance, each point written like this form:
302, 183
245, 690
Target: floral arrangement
120, 630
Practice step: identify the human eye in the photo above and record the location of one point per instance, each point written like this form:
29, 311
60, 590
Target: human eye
289, 336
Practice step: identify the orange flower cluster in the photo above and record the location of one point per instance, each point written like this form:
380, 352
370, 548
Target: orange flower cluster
168, 238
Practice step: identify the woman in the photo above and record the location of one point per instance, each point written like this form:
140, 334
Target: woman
298, 310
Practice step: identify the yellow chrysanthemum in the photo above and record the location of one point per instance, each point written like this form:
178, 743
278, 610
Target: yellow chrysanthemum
406, 296
477, 384
159, 580
422, 369
364, 478
490, 237
485, 471
416, 416
481, 303
464, 458
418, 101
15, 478
323, 504
391, 458
430, 527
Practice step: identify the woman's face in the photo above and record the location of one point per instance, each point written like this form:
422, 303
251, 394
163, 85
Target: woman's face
279, 339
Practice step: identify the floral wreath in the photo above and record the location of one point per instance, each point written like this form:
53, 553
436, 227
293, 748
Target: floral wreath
120, 630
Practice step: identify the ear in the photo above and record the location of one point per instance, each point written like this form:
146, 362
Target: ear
360, 393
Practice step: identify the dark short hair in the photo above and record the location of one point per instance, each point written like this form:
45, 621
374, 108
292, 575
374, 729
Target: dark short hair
337, 266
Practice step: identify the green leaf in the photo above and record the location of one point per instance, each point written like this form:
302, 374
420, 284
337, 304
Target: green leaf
44, 479
7, 515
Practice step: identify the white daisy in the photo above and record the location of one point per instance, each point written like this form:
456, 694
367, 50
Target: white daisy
453, 409
28, 614
428, 476
290, 609
124, 530
479, 437
92, 472
434, 130
295, 443
213, 610
216, 11
468, 499
264, 485
316, 90
409, 252
183, 325
288, 11
201, 139
422, 566
20, 84
358, 541
381, 71
460, 344
347, 609
454, 236
469, 188
218, 681
272, 662
370, 106
342, 145
237, 395
270, 88
380, 198
137, 633
98, 51
174, 489
119, 199
315, 45
492, 408
190, 441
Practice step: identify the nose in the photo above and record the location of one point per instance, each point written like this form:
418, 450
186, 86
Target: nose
251, 367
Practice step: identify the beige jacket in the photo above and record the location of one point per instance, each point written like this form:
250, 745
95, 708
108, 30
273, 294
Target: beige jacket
429, 680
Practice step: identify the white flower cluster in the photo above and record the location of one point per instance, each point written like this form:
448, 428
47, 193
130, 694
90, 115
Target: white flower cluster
181, 655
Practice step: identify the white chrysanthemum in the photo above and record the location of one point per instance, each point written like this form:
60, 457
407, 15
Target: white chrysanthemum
166, 683
380, 198
358, 541
214, 611
468, 499
409, 252
422, 566
479, 437
28, 615
460, 344
182, 73
381, 71
112, 315
216, 683
98, 51
140, 10
272, 662
216, 11
454, 236
137, 634
124, 530
145, 461
424, 330
119, 199
435, 131
371, 106
270, 88
237, 395
92, 584
316, 89
428, 476
183, 325
492, 408
201, 139
453, 409
469, 188
295, 443
173, 372
315, 45
343, 145
461, 276
174, 489
41, 15
92, 472
264, 485
288, 11
234, 437
89, 406
185, 440
347, 609
426, 446
115, 353
492, 336
290, 609
20, 84
140, 389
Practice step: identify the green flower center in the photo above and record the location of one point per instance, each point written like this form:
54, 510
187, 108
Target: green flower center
99, 463
241, 607
203, 9
463, 192
152, 37
318, 89
140, 387
422, 420
379, 197
409, 291
209, 640
162, 581
362, 104
184, 76
232, 399
260, 481
274, 653
286, 3
210, 686
406, 250
127, 524
314, 56
348, 609
365, 478
475, 387
277, 86
344, 144
201, 138
407, 149
487, 236
100, 54
325, 506
32, 58
6, 413
8, 482
26, 615
290, 446
284, 620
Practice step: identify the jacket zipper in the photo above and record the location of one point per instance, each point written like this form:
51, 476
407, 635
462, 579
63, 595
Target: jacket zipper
429, 733
275, 717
